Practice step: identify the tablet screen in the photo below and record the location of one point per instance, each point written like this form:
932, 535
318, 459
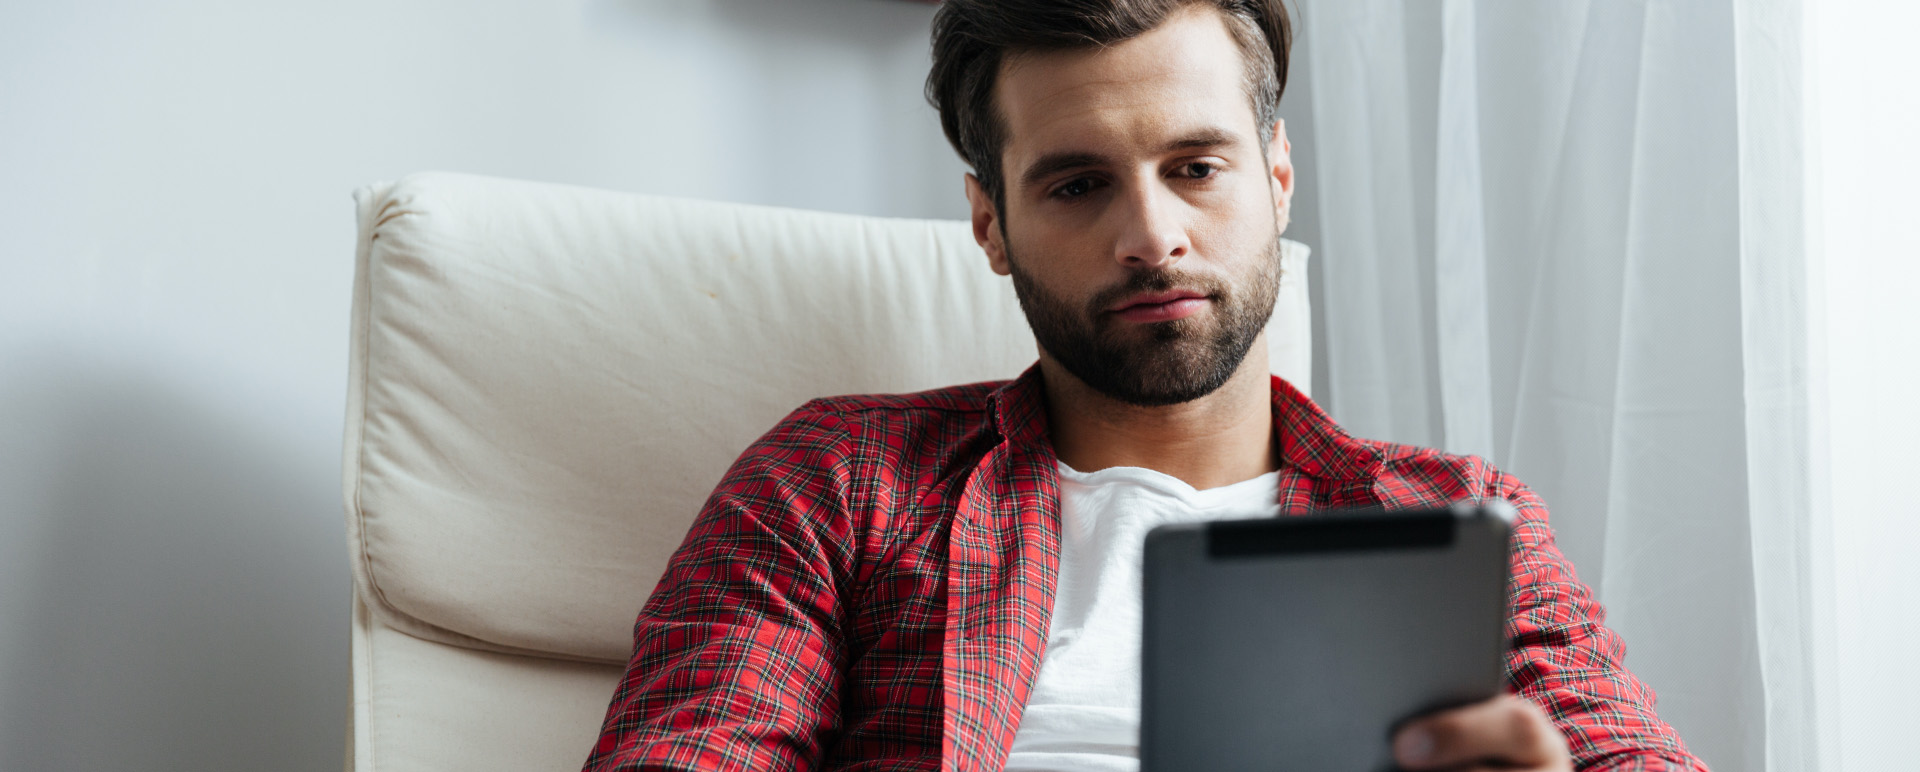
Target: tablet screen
1301, 642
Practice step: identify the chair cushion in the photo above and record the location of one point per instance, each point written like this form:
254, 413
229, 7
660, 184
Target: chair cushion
422, 706
547, 381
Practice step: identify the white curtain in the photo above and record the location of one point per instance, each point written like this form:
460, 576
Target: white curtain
1566, 236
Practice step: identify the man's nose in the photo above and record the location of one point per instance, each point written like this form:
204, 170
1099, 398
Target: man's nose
1153, 233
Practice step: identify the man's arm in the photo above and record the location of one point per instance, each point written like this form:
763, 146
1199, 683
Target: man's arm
1564, 659
738, 655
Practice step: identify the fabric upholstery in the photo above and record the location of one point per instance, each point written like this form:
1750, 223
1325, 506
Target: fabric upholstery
430, 707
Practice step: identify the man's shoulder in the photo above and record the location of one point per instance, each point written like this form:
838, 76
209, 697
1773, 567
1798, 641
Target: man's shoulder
933, 404
1412, 475
891, 425
1402, 475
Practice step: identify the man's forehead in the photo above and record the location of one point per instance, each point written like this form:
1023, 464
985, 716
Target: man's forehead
1185, 76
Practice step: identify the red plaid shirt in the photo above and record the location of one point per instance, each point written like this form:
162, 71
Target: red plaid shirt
869, 587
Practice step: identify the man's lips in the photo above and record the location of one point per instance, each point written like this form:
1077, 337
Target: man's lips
1160, 306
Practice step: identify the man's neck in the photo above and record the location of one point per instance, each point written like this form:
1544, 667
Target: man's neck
1220, 439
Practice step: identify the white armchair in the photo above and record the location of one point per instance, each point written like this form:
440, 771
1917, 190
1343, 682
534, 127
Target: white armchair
545, 383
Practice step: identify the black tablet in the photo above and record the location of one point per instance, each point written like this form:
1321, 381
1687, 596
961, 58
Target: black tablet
1300, 643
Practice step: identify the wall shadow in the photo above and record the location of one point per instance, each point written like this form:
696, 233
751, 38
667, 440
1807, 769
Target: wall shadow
858, 24
836, 92
184, 597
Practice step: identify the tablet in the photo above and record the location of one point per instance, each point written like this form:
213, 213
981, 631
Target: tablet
1302, 642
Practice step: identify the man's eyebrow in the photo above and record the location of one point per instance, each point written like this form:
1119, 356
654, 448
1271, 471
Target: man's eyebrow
1211, 136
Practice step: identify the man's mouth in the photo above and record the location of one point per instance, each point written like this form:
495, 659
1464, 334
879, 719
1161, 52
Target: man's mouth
1160, 306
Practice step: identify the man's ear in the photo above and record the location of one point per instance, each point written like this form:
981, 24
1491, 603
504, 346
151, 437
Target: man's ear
1280, 159
986, 226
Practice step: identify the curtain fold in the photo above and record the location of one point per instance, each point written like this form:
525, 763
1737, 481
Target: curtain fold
1549, 238
1778, 276
1460, 243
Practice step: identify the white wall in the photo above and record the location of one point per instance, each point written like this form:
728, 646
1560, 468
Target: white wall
1865, 118
175, 255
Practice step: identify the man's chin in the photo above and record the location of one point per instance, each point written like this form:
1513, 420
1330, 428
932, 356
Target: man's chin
1158, 395
1168, 378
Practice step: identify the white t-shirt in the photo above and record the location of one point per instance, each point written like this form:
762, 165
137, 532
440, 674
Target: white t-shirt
1084, 711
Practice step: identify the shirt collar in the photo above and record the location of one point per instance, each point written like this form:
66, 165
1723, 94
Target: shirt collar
1310, 441
1019, 409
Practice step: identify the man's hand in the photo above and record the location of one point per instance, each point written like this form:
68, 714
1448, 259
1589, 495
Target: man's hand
1506, 733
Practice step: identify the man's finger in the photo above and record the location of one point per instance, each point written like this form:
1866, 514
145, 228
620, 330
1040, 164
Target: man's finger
1505, 730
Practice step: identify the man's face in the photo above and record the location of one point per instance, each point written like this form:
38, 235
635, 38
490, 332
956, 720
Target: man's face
1141, 223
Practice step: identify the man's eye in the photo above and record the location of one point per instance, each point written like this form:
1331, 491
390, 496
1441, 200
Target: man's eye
1199, 169
1074, 189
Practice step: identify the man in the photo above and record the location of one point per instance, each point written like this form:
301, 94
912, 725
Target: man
949, 580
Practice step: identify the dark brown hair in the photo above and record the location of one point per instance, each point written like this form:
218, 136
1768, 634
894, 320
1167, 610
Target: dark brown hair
971, 38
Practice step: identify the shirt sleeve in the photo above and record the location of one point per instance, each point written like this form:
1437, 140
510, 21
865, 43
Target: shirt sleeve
1563, 657
738, 654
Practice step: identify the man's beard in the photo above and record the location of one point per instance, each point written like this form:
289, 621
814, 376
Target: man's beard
1178, 361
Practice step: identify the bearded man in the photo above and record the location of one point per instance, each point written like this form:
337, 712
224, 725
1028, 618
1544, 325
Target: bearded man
950, 580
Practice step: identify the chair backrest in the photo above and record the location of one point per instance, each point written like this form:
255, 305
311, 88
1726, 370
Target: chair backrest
546, 382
